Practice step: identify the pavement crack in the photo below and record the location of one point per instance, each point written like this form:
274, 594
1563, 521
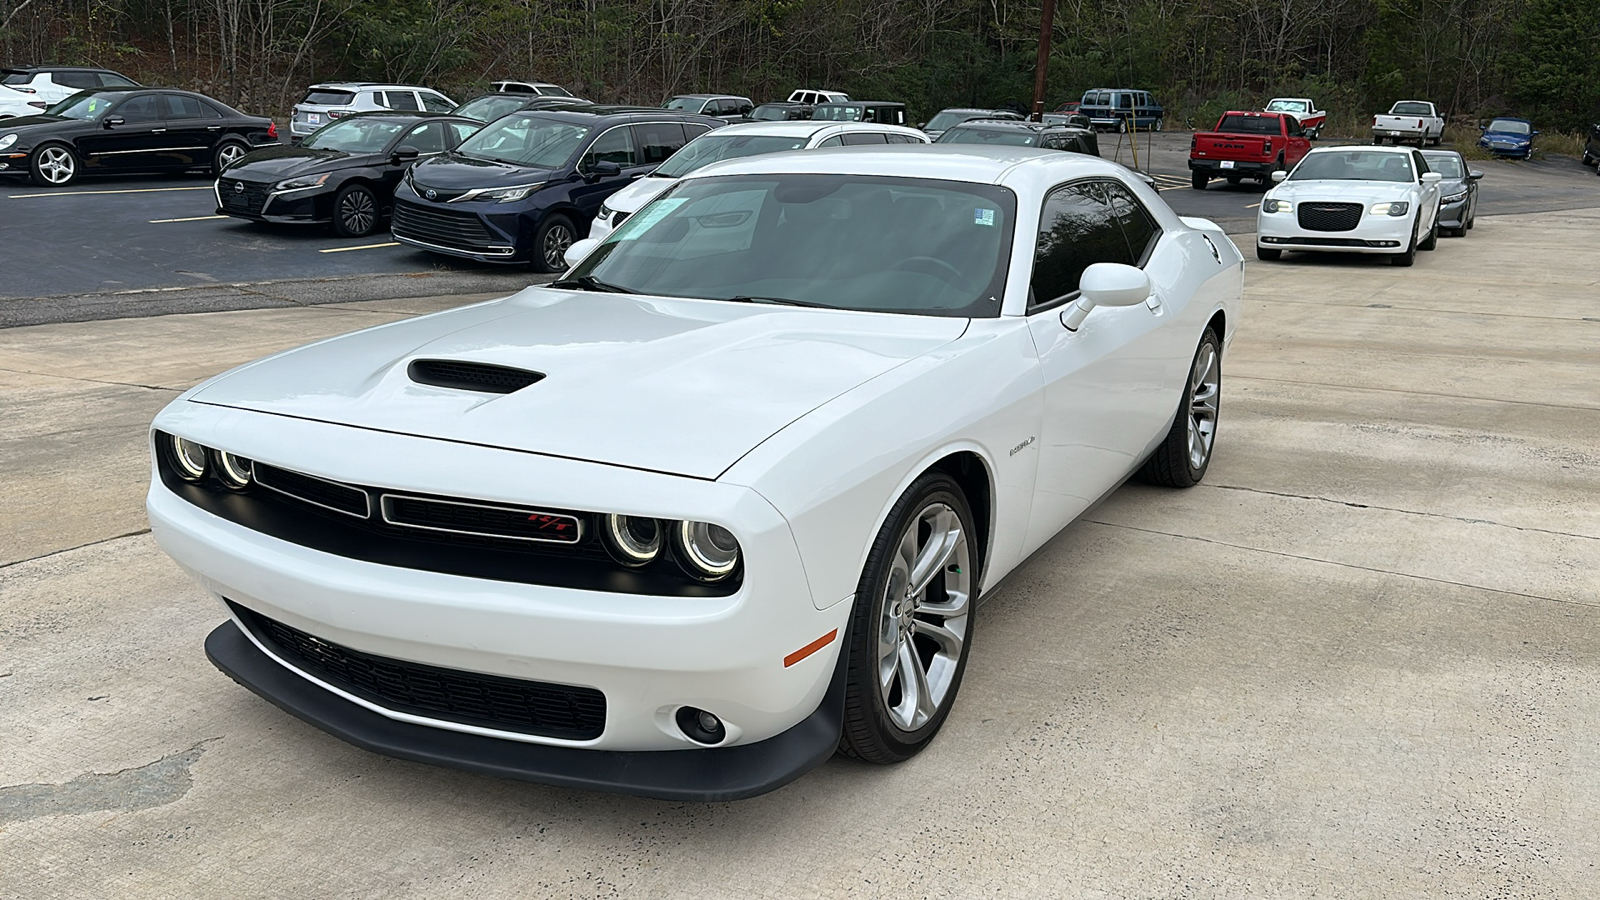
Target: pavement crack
1395, 509
106, 540
1413, 393
157, 783
1342, 565
132, 384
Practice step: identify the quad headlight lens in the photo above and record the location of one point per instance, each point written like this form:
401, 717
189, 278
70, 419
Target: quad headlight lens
1391, 209
7, 141
300, 184
1277, 206
633, 541
188, 458
708, 552
235, 471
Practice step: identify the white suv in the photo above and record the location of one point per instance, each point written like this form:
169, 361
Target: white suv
815, 97
325, 102
542, 88
30, 90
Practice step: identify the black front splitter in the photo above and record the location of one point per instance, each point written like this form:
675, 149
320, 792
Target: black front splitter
721, 773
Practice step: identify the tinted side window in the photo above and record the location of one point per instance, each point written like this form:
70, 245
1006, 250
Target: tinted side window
657, 141
692, 130
79, 80
1076, 230
1138, 226
1422, 165
863, 137
834, 141
401, 100
139, 109
460, 131
615, 146
180, 107
113, 80
427, 138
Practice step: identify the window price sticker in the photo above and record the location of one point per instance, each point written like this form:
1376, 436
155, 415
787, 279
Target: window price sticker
981, 216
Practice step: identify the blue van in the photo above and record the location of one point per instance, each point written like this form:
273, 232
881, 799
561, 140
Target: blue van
1114, 109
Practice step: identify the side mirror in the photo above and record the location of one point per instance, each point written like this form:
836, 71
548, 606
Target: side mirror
1474, 176
114, 121
1279, 175
1534, 133
1431, 178
404, 153
1483, 128
578, 250
605, 169
1106, 284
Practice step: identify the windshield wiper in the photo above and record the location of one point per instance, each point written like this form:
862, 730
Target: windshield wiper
591, 283
777, 301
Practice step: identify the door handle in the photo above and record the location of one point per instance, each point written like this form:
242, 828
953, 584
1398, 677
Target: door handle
213, 127
157, 130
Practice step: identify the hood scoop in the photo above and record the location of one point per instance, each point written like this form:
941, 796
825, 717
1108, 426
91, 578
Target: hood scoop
471, 376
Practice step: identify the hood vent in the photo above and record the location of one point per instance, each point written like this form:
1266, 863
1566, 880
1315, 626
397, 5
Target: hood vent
471, 376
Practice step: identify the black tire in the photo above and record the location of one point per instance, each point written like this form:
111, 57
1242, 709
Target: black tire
1158, 125
1269, 254
1409, 257
1122, 126
871, 732
1472, 219
1198, 181
355, 211
556, 233
1266, 177
1432, 240
1172, 463
54, 165
226, 154
1378, 141
1234, 180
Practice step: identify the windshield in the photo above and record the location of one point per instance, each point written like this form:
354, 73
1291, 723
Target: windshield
1446, 164
1354, 165
837, 113
712, 147
358, 135
526, 141
487, 109
1510, 126
906, 245
946, 119
1287, 106
996, 137
1249, 125
770, 113
691, 104
1411, 109
84, 105
550, 90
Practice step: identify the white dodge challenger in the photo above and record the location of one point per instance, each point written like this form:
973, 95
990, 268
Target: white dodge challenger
723, 500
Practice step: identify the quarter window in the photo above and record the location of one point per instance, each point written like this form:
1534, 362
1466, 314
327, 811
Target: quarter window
1076, 230
1138, 226
435, 103
835, 141
181, 107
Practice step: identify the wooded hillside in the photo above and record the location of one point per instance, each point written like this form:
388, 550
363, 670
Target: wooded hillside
1474, 57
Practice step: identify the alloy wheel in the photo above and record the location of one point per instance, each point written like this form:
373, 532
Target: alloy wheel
228, 155
57, 165
922, 629
1205, 388
557, 238
357, 212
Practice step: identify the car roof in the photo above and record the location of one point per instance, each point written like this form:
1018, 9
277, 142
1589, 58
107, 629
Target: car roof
367, 85
407, 114
707, 97
57, 69
1361, 148
808, 127
862, 103
1005, 125
944, 162
581, 112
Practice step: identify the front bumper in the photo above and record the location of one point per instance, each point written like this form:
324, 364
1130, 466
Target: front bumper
1453, 215
1372, 234
301, 207
1215, 168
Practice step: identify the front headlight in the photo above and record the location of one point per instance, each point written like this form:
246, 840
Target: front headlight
510, 194
1391, 209
708, 552
7, 141
1456, 198
1276, 206
300, 184
235, 471
605, 213
632, 541
189, 459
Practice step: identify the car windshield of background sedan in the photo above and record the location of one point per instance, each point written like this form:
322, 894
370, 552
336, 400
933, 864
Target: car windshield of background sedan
487, 109
354, 135
81, 106
1411, 109
1354, 166
946, 119
713, 148
993, 138
770, 113
690, 104
837, 113
1510, 126
884, 244
526, 141
1248, 125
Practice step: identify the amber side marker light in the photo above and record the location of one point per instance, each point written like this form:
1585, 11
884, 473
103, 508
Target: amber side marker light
810, 648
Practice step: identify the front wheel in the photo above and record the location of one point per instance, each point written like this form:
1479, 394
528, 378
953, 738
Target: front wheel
912, 623
1184, 454
53, 165
1432, 240
1409, 257
1158, 126
1269, 254
550, 244
355, 211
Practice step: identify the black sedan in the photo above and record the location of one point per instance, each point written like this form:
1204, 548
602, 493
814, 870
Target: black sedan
344, 174
1023, 134
122, 131
489, 107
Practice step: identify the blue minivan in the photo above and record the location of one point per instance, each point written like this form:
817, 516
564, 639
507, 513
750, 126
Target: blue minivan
1116, 108
526, 186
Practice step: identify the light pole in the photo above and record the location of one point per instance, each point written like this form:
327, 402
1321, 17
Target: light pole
1042, 64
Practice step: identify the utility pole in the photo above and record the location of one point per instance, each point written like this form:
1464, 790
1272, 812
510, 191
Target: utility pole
1042, 64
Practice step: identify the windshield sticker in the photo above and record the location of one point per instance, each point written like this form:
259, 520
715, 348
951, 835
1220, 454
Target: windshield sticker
642, 221
981, 216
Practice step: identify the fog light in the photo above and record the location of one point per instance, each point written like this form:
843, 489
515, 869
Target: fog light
700, 726
188, 458
235, 471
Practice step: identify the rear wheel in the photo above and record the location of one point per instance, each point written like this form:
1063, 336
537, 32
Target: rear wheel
1122, 126
1184, 455
550, 244
54, 165
355, 211
1158, 126
912, 624
227, 153
1234, 180
1198, 181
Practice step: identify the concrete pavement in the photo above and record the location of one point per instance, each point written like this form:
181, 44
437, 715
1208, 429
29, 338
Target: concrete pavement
1361, 660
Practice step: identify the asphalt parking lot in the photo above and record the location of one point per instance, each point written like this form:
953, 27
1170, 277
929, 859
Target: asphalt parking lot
1361, 660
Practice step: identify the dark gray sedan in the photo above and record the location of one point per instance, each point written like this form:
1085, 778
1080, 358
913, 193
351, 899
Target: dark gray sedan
1458, 192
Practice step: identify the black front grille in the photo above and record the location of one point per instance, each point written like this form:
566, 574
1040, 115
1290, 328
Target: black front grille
450, 695
442, 227
471, 376
481, 519
318, 491
245, 197
1330, 216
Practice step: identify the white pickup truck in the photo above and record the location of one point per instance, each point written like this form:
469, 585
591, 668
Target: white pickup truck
1408, 121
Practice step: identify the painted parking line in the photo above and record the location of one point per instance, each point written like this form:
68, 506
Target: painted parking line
362, 247
1253, 205
205, 187
190, 219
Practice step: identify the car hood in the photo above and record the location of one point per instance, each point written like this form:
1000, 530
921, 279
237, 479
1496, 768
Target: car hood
1340, 191
26, 122
637, 194
455, 173
679, 386
277, 163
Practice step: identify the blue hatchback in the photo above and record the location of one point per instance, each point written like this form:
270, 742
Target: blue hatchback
526, 186
1508, 137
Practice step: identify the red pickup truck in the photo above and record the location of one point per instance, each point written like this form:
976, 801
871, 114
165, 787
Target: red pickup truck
1246, 145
